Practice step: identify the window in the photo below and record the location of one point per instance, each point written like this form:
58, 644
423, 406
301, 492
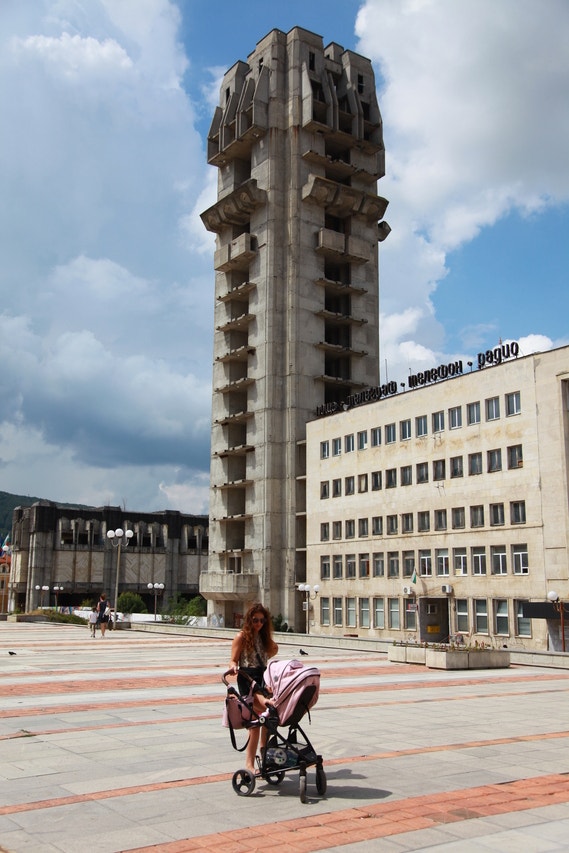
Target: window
478, 559
362, 483
494, 461
324, 449
336, 488
364, 565
362, 440
438, 421
393, 605
393, 564
391, 525
378, 565
473, 413
523, 624
405, 430
338, 567
425, 563
364, 612
474, 463
406, 475
407, 522
337, 605
422, 472
377, 525
438, 469
423, 521
496, 515
324, 489
520, 559
324, 531
492, 409
336, 446
390, 435
375, 481
325, 567
408, 563
376, 436
455, 417
518, 512
410, 614
498, 560
515, 456
459, 561
349, 443
441, 559
456, 469
462, 615
481, 615
350, 612
350, 528
350, 565
363, 527
336, 530
391, 478
421, 426
513, 404
378, 613
477, 516
458, 521
440, 519
350, 485
324, 611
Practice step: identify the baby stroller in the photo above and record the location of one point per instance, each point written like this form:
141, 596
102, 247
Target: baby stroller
294, 690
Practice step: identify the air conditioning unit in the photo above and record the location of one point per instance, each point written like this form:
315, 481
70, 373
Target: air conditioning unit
407, 590
446, 588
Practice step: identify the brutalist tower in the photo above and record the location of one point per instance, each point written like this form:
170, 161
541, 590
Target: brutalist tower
297, 139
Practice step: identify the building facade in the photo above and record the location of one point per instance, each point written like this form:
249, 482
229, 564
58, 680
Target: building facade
444, 510
62, 556
297, 140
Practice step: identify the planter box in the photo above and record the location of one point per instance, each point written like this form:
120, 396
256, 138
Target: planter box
406, 654
474, 659
416, 654
397, 654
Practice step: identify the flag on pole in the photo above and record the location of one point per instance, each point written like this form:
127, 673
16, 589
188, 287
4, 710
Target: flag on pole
414, 577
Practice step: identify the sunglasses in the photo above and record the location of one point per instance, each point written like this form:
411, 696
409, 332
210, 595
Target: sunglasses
258, 620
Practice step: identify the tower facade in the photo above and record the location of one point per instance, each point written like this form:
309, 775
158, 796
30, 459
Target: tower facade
297, 139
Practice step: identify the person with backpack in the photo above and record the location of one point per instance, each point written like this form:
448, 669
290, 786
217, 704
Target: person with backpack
251, 650
102, 613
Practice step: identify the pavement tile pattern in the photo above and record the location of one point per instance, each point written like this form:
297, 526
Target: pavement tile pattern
115, 744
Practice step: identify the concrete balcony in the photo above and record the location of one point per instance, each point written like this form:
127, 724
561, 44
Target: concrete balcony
226, 586
236, 255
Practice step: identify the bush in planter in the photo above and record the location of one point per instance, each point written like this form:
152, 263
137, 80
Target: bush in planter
131, 602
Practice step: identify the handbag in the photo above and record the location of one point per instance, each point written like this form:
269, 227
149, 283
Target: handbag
238, 713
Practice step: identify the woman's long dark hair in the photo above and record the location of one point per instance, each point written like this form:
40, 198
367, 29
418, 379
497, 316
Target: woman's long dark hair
266, 632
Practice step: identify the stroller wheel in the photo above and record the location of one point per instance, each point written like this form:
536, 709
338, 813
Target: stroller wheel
321, 784
302, 786
243, 783
274, 778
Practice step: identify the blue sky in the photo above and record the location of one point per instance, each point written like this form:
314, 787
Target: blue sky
106, 281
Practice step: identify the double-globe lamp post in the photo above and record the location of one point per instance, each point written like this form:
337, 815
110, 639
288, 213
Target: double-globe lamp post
156, 589
43, 590
309, 592
116, 538
559, 607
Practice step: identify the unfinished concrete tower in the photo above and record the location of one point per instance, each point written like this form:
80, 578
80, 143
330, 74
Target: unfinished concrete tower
297, 139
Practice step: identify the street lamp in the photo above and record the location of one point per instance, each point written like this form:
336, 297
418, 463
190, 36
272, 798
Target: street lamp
116, 538
156, 589
57, 590
559, 607
309, 593
43, 590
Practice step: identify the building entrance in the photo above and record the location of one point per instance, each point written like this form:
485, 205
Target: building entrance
434, 620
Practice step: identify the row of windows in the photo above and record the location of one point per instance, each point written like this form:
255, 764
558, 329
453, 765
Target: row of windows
454, 419
404, 475
471, 615
406, 522
477, 560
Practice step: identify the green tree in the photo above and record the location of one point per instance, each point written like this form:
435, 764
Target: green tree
131, 602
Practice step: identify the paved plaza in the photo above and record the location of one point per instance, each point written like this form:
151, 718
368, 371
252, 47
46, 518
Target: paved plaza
116, 744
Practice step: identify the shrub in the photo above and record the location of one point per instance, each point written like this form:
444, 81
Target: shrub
131, 602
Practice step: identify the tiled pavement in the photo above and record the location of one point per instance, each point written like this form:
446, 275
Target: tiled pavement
115, 744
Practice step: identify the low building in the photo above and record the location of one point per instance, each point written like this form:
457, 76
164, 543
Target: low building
63, 556
443, 510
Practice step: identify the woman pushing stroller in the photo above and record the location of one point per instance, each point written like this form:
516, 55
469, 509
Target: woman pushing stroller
250, 652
